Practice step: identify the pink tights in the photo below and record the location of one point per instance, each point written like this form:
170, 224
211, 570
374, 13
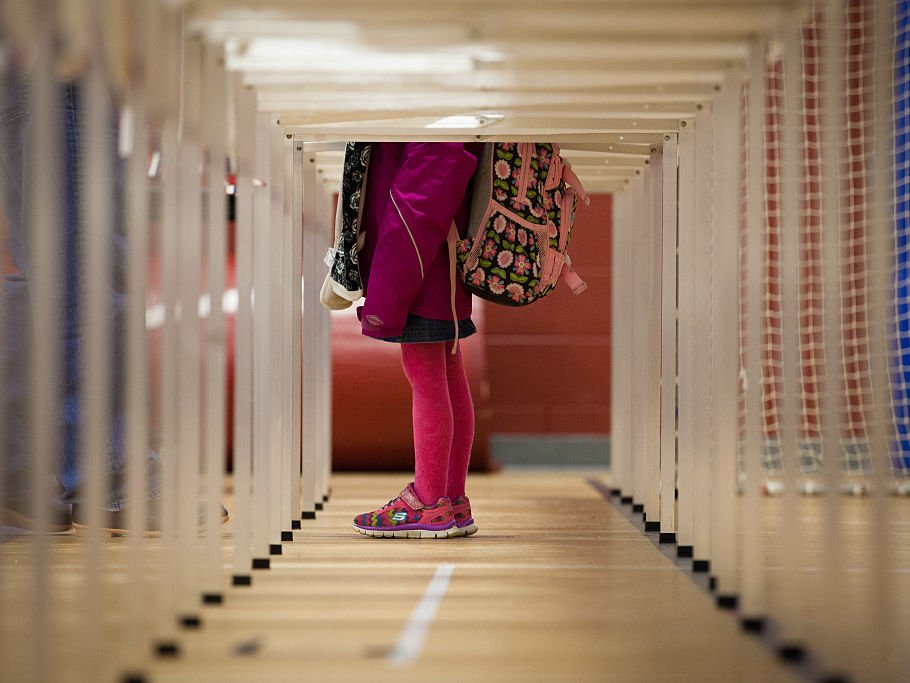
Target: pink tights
443, 414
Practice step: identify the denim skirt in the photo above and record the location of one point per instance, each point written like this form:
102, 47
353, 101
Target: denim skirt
418, 330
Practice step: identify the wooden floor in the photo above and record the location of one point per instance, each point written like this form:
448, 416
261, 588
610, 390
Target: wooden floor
556, 586
843, 632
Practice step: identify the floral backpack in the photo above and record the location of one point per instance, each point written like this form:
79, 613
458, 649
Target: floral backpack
522, 210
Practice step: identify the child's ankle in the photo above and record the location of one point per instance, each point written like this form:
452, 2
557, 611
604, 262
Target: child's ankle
426, 497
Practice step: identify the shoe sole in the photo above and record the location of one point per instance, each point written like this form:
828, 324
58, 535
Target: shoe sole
17, 520
407, 533
465, 531
82, 529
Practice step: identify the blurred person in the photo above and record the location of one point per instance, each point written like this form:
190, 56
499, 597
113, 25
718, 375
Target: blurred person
16, 133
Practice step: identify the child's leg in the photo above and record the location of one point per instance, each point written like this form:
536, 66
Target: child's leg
425, 367
463, 422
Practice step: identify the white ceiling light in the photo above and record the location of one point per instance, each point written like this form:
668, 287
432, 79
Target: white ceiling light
469, 121
330, 55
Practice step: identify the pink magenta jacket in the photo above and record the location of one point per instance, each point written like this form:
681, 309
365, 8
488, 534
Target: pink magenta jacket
414, 190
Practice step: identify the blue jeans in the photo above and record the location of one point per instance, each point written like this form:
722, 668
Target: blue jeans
15, 134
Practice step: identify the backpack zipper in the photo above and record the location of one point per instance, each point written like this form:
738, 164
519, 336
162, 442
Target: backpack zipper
410, 234
526, 150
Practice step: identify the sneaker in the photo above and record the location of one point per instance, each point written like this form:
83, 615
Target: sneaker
856, 488
114, 521
811, 486
407, 517
464, 521
772, 487
19, 515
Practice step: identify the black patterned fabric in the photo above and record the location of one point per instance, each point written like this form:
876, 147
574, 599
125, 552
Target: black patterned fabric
345, 268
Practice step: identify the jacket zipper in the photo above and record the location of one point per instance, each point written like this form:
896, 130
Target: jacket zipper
410, 234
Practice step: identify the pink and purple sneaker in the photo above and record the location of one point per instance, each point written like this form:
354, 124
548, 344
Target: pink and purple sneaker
407, 517
464, 520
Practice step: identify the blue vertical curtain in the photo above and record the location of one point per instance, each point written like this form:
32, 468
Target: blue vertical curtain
901, 384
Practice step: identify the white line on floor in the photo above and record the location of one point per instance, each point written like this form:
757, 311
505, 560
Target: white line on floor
412, 639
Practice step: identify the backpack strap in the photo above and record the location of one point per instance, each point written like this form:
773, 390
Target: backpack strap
452, 241
572, 179
573, 281
568, 203
554, 174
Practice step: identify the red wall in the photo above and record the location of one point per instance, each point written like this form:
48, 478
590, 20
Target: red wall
6, 264
372, 400
564, 338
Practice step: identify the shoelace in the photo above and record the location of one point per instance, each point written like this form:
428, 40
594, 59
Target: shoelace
389, 504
